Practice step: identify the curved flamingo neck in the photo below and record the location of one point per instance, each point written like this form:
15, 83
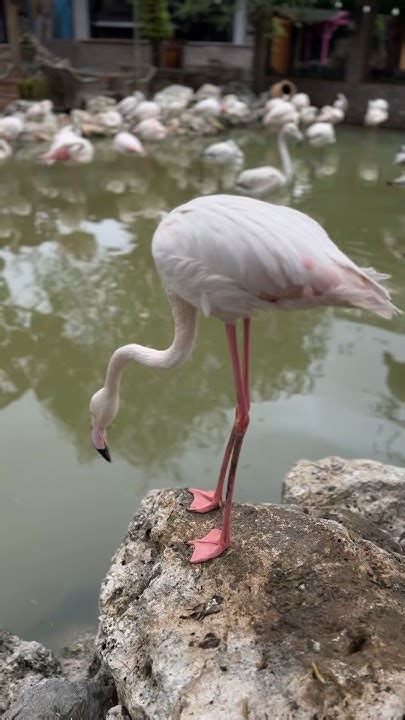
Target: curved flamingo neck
285, 158
185, 327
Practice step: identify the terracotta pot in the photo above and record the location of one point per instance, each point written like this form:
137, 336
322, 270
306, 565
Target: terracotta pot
173, 54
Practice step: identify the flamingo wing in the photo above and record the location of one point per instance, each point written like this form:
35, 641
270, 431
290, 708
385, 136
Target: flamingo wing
230, 255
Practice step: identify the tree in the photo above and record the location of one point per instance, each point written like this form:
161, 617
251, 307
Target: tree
261, 16
155, 25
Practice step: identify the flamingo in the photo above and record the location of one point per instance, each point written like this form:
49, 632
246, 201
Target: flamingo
377, 112
67, 145
224, 153
399, 158
208, 107
320, 134
330, 114
228, 256
146, 110
301, 101
398, 181
11, 126
127, 144
280, 114
6, 150
151, 129
308, 115
207, 90
341, 102
261, 180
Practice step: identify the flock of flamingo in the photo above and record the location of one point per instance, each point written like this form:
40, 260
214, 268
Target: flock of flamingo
177, 110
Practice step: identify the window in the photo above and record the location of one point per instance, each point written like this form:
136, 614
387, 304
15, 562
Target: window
111, 19
3, 32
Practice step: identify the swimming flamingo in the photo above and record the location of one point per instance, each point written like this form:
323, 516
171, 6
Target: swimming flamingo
229, 256
262, 180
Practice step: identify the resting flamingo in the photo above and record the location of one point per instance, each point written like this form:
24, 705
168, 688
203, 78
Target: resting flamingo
229, 256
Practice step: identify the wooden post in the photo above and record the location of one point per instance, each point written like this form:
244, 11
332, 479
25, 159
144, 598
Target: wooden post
357, 63
13, 30
261, 48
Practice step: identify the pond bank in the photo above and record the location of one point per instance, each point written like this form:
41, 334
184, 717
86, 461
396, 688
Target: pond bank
305, 614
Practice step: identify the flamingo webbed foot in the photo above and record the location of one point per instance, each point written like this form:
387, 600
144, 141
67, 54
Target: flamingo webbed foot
208, 547
204, 500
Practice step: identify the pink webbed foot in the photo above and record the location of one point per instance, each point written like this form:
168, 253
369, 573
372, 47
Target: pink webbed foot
204, 500
208, 547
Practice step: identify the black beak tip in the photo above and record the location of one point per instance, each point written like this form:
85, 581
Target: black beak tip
105, 453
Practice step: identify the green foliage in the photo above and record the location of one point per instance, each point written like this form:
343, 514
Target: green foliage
155, 19
33, 88
221, 11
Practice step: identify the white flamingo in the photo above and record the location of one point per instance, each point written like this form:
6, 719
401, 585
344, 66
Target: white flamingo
6, 150
11, 126
209, 107
399, 158
397, 181
127, 144
308, 115
111, 120
146, 110
151, 129
229, 256
320, 134
377, 112
127, 106
235, 109
280, 114
69, 146
301, 101
38, 110
341, 102
330, 114
207, 90
224, 153
262, 180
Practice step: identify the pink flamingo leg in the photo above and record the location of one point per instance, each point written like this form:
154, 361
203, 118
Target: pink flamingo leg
206, 500
218, 540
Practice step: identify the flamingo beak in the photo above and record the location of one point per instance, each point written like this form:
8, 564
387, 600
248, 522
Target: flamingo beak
105, 453
99, 442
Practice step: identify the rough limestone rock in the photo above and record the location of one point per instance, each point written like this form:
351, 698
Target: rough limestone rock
375, 490
303, 618
117, 713
79, 660
22, 664
34, 685
59, 698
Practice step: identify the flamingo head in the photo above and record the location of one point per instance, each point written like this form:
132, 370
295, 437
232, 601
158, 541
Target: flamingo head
103, 409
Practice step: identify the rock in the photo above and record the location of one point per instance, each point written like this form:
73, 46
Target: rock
79, 659
375, 490
303, 617
22, 664
32, 686
117, 713
58, 698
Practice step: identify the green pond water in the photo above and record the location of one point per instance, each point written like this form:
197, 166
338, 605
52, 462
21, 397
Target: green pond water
77, 280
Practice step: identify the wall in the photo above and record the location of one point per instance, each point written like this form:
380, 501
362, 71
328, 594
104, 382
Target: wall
115, 55
203, 53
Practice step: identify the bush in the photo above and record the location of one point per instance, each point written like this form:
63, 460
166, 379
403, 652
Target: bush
33, 88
